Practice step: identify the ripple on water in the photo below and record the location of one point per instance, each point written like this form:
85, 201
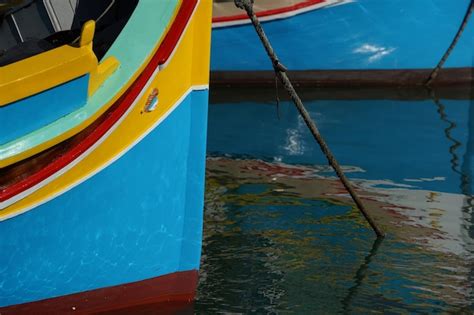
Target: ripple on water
286, 238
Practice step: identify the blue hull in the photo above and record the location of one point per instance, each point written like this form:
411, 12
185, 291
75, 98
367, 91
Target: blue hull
360, 35
139, 218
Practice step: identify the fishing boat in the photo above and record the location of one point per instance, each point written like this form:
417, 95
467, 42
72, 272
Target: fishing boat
345, 42
103, 115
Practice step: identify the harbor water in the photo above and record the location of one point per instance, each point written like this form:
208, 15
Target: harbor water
281, 235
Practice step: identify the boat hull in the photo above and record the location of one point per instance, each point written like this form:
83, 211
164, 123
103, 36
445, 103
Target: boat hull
358, 41
112, 217
139, 218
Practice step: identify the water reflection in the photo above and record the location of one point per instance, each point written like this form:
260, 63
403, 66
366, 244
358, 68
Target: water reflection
282, 234
360, 276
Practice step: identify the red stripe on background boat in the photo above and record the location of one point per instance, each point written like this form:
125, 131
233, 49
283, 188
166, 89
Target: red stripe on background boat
112, 116
270, 12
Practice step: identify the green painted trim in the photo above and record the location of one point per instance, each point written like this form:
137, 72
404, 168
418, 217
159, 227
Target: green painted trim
145, 28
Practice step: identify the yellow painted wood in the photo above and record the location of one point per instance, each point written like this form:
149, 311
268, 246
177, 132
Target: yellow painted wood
101, 73
87, 34
45, 71
188, 67
54, 67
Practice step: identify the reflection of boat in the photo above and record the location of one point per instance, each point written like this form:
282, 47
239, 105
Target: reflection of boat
407, 213
403, 140
341, 41
103, 108
401, 147
303, 221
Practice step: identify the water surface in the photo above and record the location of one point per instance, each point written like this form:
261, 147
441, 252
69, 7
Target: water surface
282, 235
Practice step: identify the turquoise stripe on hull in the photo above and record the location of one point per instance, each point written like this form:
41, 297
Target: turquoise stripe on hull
361, 35
139, 218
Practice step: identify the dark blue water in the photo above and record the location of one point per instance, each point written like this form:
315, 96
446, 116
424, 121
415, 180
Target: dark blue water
281, 234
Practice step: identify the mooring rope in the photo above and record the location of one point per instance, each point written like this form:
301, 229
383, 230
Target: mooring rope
434, 74
280, 70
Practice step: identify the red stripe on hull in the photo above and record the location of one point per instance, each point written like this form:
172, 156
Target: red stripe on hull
174, 34
158, 292
118, 109
266, 13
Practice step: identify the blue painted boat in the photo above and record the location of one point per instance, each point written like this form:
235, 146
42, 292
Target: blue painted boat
103, 114
345, 42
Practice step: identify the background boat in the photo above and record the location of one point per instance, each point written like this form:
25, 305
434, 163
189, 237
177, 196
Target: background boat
344, 42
